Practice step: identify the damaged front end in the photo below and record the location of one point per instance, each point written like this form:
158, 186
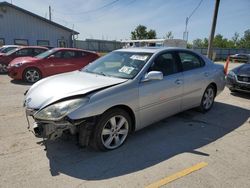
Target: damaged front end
51, 121
50, 129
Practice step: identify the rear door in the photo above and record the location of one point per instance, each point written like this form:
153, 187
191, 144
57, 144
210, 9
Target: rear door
161, 98
195, 75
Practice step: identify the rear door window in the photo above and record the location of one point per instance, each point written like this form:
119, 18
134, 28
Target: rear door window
68, 54
190, 61
38, 51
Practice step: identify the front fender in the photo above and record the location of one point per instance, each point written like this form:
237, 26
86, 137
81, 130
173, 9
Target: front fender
122, 94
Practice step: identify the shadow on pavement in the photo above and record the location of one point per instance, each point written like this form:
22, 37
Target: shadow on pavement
20, 82
241, 94
184, 132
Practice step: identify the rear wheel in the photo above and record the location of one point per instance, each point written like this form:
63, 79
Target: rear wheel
207, 99
111, 130
32, 75
3, 68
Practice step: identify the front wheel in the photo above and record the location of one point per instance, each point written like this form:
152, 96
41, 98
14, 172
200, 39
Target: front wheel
111, 130
32, 75
207, 99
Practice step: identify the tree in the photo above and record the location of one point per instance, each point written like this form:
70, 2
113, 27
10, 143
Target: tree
221, 42
245, 40
169, 35
236, 38
197, 43
141, 32
151, 34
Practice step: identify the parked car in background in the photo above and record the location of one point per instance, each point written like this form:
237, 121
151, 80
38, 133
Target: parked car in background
122, 92
19, 52
51, 62
240, 57
6, 48
238, 79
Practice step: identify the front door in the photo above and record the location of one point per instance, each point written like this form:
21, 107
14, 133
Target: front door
161, 98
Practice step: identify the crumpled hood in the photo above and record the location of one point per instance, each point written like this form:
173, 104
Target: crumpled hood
243, 70
54, 88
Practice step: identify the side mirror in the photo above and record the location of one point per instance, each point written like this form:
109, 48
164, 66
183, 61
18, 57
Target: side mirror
152, 75
51, 57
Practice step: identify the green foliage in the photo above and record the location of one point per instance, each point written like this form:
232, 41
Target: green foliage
169, 35
151, 34
141, 32
221, 42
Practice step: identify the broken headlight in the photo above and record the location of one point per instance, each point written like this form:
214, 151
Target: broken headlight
59, 110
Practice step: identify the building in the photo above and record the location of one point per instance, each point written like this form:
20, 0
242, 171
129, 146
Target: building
21, 27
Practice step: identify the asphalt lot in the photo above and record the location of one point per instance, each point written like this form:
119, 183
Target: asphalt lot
220, 138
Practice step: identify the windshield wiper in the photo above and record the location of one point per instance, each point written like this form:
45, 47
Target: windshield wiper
100, 73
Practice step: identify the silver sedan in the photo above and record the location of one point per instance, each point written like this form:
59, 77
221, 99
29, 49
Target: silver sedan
122, 92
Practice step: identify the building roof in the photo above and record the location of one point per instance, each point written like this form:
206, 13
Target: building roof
37, 16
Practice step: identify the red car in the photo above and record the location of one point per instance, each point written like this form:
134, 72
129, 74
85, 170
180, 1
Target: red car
19, 52
51, 62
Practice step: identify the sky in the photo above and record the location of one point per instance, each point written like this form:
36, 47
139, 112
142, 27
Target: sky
115, 19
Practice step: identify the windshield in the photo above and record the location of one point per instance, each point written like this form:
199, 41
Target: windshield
7, 49
12, 51
45, 54
119, 64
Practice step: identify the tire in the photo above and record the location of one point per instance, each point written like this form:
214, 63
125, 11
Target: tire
207, 100
3, 68
32, 75
108, 134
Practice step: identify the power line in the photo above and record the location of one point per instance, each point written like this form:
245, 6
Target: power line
93, 10
102, 15
195, 9
185, 33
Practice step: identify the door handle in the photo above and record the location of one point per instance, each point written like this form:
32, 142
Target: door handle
178, 81
206, 74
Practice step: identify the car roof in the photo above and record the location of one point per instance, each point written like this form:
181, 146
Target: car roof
75, 49
148, 49
41, 47
7, 46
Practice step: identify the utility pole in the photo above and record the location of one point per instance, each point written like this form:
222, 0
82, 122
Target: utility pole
49, 13
211, 38
185, 34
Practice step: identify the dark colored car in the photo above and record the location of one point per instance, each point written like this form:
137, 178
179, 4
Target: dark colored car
24, 51
238, 79
51, 62
240, 57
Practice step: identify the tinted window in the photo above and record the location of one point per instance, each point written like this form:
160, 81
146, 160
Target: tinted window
190, 61
165, 63
80, 54
69, 54
24, 52
38, 51
58, 54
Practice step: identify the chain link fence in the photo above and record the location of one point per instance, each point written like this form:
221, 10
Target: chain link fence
222, 53
98, 45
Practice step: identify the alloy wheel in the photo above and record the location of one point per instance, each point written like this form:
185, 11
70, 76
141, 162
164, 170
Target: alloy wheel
115, 132
208, 98
32, 75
